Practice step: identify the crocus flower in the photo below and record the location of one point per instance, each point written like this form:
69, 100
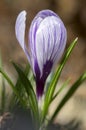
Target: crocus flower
46, 42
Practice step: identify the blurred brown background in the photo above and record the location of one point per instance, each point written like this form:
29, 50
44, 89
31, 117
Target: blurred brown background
73, 14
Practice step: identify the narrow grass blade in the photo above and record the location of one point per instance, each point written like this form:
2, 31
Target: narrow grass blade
14, 101
60, 89
12, 86
52, 86
3, 91
3, 97
71, 91
29, 90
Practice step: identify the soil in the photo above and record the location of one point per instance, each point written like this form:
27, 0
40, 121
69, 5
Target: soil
21, 120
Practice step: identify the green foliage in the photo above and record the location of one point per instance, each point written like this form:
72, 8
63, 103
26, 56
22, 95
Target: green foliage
60, 89
29, 90
12, 85
2, 92
52, 86
68, 95
15, 101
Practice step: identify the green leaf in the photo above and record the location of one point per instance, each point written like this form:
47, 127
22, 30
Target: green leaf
60, 89
71, 91
27, 70
12, 86
3, 97
3, 91
14, 101
29, 90
52, 86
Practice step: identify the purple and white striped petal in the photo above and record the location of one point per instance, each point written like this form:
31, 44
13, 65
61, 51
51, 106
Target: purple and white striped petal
45, 40
20, 31
45, 37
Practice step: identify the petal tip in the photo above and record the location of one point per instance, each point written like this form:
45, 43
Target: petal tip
20, 27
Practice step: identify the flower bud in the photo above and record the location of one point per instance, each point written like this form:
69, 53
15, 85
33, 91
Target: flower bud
46, 42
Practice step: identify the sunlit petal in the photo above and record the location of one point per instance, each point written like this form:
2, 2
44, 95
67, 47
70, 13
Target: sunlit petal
20, 31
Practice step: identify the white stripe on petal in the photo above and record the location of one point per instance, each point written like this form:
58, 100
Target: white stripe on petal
39, 49
47, 40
